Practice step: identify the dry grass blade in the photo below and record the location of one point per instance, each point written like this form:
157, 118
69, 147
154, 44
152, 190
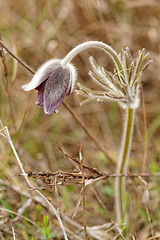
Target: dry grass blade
83, 192
30, 185
23, 208
14, 236
150, 222
1, 235
19, 215
152, 238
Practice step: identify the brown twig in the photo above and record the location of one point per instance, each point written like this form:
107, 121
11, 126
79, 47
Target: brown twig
15, 69
83, 192
150, 222
1, 235
77, 163
99, 200
19, 215
75, 177
17, 58
78, 120
89, 133
5, 82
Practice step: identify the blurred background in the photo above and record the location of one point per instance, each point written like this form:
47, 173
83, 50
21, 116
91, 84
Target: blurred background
37, 31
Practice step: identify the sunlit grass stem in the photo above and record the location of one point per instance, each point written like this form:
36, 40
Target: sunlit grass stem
123, 164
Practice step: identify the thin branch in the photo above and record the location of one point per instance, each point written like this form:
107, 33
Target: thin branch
150, 222
77, 163
5, 82
83, 192
17, 58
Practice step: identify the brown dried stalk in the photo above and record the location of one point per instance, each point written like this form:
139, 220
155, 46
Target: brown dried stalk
5, 82
83, 192
89, 175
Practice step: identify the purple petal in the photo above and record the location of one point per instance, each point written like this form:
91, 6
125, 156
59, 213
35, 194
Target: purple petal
42, 74
57, 87
40, 94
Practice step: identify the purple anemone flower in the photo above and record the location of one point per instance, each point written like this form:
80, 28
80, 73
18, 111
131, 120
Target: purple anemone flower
54, 82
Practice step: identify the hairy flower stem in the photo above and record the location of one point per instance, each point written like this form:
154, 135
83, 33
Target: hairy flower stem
93, 44
123, 164
128, 127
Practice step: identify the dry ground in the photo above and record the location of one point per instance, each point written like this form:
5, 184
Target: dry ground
37, 31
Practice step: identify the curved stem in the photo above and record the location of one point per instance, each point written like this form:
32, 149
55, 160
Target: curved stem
94, 44
123, 164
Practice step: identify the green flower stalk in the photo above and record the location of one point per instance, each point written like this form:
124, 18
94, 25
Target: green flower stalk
56, 79
123, 163
122, 86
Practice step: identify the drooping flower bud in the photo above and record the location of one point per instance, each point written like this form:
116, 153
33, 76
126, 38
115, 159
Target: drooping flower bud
54, 82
